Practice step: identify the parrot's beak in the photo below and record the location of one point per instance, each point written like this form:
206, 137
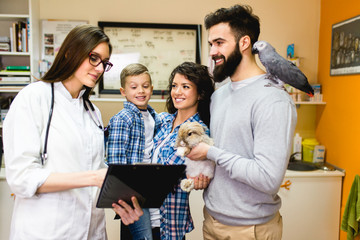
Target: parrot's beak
254, 50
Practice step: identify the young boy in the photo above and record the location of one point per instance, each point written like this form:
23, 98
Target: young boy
131, 131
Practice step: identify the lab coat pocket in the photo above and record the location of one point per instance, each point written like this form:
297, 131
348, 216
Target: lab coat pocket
50, 216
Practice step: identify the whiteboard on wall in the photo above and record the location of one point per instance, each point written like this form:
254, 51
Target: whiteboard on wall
160, 47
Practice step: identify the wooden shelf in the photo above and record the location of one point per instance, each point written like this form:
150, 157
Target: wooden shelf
15, 73
310, 103
13, 17
14, 54
10, 89
97, 99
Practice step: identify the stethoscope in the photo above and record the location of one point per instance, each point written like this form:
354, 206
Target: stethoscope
89, 109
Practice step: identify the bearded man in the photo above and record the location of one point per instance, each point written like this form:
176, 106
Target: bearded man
252, 126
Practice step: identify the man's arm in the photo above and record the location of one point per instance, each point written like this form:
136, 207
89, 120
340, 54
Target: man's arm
273, 132
199, 152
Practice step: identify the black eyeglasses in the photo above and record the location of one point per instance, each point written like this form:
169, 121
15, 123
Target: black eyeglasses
95, 60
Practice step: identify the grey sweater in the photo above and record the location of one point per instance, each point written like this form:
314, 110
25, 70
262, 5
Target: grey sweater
252, 129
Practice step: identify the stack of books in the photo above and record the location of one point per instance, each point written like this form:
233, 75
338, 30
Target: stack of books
13, 78
19, 37
14, 81
4, 44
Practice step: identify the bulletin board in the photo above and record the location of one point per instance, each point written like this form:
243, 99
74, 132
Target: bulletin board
160, 47
345, 47
53, 33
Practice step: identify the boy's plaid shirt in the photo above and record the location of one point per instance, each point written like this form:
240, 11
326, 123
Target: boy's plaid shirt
126, 140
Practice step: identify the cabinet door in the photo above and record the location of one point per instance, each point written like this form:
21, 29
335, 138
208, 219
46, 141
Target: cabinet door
7, 204
311, 208
196, 208
6, 207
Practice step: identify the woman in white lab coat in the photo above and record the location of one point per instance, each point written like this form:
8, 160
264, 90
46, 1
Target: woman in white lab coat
56, 195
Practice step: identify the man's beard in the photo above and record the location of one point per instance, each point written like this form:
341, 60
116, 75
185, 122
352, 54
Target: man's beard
228, 67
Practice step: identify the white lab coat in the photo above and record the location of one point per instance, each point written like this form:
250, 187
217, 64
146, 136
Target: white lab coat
75, 144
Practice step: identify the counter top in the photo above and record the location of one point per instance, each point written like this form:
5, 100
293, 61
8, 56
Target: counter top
316, 173
327, 170
289, 173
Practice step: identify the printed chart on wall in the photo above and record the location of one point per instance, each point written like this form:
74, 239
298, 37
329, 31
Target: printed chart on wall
53, 33
160, 47
345, 47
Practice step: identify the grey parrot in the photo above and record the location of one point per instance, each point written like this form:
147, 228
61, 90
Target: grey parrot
280, 70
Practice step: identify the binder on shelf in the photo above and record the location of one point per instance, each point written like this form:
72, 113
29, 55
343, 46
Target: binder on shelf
12, 41
11, 84
14, 79
149, 183
22, 37
4, 39
19, 37
27, 34
15, 29
4, 47
17, 68
14, 73
4, 44
23, 40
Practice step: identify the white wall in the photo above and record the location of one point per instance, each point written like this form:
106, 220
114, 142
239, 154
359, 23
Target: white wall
282, 22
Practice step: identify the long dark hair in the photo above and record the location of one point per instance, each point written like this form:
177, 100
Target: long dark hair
199, 75
73, 51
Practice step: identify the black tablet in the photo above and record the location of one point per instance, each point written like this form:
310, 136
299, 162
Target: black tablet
150, 183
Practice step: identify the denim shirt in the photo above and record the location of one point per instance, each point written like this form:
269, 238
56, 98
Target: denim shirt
175, 220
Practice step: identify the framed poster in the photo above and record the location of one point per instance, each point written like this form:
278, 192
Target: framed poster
345, 47
53, 33
160, 47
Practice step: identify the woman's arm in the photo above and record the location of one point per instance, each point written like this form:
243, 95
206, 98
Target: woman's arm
273, 130
64, 181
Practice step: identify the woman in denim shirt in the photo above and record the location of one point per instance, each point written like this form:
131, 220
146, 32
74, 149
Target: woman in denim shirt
190, 88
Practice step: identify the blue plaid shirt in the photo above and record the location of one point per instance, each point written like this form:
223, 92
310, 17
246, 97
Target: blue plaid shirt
126, 140
175, 211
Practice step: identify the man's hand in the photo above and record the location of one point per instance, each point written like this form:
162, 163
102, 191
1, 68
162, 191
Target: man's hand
199, 152
128, 214
201, 182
